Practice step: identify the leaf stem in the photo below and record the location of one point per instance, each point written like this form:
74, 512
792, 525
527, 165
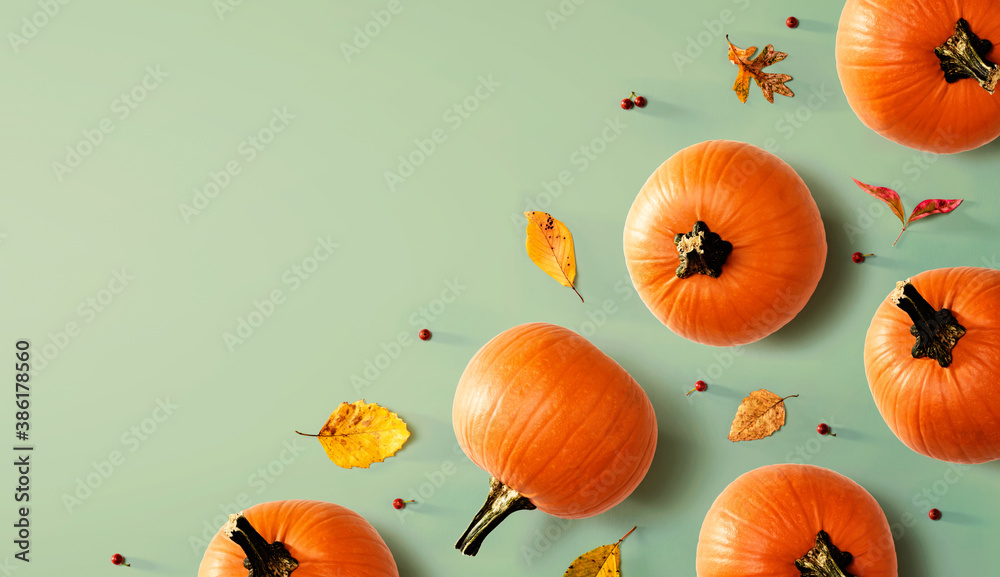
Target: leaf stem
577, 292
899, 235
627, 534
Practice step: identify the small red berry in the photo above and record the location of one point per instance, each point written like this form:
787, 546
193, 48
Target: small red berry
398, 503
627, 103
859, 258
699, 386
792, 22
824, 429
424, 334
640, 101
117, 559
934, 514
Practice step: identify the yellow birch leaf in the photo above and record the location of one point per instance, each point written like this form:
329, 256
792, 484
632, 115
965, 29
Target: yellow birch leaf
550, 245
605, 561
759, 415
359, 434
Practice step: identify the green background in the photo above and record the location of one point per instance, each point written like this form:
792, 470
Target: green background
558, 72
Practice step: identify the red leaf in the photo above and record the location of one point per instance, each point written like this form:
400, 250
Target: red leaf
887, 195
933, 206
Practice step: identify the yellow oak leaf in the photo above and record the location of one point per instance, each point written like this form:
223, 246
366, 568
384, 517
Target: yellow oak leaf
769, 83
550, 246
605, 561
759, 415
359, 434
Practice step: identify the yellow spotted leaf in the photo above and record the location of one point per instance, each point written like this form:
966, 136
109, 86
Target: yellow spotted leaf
359, 434
759, 415
550, 246
605, 561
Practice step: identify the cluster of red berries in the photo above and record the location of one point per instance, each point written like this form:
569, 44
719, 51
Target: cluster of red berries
628, 103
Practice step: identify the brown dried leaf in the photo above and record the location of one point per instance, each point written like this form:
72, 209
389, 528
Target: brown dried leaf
760, 414
359, 434
769, 83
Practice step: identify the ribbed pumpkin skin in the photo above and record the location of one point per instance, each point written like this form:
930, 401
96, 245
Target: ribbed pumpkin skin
953, 413
755, 201
551, 416
767, 518
326, 539
893, 80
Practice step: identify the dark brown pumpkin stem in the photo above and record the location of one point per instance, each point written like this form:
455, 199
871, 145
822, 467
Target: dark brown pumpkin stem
263, 559
824, 559
937, 331
501, 502
963, 55
701, 251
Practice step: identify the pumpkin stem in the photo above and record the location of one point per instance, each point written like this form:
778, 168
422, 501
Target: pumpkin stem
824, 559
701, 251
937, 331
501, 501
963, 55
263, 559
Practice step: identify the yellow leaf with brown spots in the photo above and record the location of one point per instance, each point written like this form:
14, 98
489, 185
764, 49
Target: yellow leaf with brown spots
550, 246
605, 561
759, 415
359, 434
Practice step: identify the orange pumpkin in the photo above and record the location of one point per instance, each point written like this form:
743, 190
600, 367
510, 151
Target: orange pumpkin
559, 425
724, 243
932, 358
785, 520
920, 73
314, 539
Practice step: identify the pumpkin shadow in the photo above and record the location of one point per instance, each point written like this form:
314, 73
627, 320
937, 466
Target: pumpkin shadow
910, 556
830, 295
816, 25
988, 151
403, 553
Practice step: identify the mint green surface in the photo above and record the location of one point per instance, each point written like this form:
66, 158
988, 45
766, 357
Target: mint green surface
442, 249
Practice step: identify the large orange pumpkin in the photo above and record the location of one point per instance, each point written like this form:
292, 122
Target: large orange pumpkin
559, 425
724, 243
314, 539
932, 358
892, 57
785, 520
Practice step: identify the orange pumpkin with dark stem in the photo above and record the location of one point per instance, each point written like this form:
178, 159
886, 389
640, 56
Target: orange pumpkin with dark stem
724, 243
922, 73
932, 358
791, 520
559, 425
300, 539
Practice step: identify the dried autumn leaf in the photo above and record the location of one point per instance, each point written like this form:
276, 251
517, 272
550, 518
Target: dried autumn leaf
359, 434
601, 562
550, 246
768, 82
760, 414
924, 209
